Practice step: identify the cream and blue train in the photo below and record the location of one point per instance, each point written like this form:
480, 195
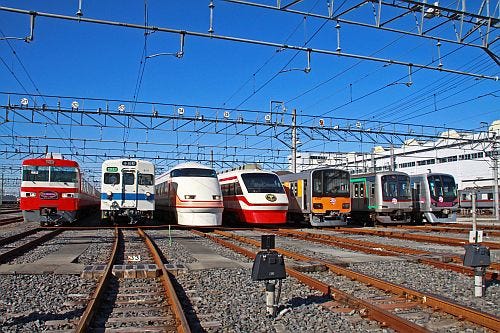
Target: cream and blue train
127, 190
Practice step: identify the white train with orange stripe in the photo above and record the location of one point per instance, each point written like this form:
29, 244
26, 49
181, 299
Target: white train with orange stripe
253, 196
190, 193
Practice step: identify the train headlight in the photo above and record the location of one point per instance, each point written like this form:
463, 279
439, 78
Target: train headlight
346, 205
110, 195
216, 197
318, 205
148, 194
189, 196
68, 195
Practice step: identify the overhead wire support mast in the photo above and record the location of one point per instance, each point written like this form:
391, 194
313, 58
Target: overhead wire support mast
247, 41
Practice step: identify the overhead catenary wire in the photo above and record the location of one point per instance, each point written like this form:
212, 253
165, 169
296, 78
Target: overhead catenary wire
244, 40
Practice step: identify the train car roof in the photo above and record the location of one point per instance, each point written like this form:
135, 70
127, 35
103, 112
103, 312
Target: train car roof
381, 173
190, 165
50, 162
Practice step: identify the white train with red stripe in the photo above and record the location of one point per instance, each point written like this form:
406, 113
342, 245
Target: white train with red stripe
189, 193
53, 191
253, 196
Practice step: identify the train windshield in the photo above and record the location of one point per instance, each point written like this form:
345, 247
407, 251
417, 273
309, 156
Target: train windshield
193, 172
112, 178
330, 183
35, 173
396, 187
64, 174
262, 183
442, 186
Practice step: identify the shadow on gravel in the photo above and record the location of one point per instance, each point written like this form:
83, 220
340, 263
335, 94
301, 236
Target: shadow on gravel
296, 302
41, 317
187, 306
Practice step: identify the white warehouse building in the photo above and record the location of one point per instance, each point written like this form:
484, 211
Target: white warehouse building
470, 158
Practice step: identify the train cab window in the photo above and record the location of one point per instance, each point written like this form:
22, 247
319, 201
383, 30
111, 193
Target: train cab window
35, 173
262, 183
372, 191
111, 178
293, 189
128, 178
356, 190
361, 190
145, 179
193, 172
64, 174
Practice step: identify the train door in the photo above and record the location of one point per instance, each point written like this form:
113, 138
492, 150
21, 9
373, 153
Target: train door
129, 188
358, 195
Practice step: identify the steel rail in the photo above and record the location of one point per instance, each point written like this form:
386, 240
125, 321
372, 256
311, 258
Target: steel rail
457, 310
11, 220
242, 40
170, 294
414, 237
432, 228
4, 257
13, 238
469, 226
95, 300
9, 211
383, 250
385, 317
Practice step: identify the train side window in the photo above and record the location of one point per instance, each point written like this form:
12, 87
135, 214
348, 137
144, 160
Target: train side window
145, 179
237, 189
128, 178
372, 191
111, 178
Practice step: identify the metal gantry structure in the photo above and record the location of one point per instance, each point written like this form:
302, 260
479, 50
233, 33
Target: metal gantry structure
97, 129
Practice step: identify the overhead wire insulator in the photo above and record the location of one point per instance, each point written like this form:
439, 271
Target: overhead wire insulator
439, 53
337, 26
211, 6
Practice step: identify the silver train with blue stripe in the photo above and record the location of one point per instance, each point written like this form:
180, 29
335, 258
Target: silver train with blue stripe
127, 190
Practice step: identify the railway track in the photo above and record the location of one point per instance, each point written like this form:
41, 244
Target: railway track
10, 220
397, 306
412, 236
422, 256
16, 245
458, 230
135, 293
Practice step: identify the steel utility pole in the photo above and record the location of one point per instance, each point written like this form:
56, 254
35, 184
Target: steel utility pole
294, 141
494, 157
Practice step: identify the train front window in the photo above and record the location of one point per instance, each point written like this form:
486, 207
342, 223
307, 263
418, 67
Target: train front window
35, 173
112, 178
442, 186
145, 179
128, 178
262, 183
396, 187
330, 183
193, 172
64, 174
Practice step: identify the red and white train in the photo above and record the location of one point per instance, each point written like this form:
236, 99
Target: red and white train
253, 196
54, 192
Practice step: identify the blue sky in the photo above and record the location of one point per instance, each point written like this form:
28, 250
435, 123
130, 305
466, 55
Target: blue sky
86, 60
